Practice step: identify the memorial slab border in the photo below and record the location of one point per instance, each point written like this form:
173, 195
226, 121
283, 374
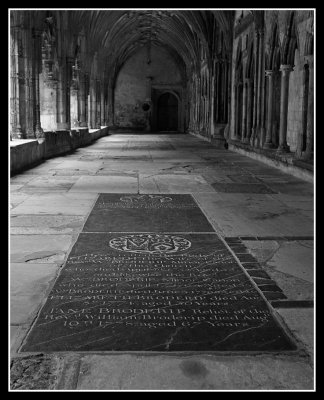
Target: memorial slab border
252, 279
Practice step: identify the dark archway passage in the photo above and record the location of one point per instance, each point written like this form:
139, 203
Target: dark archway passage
167, 113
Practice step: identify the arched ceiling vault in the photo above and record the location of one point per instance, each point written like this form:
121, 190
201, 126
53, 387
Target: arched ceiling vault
116, 35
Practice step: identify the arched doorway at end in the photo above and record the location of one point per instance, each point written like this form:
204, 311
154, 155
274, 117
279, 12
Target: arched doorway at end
167, 112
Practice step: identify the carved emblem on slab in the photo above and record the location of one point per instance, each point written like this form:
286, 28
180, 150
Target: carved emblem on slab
145, 198
150, 244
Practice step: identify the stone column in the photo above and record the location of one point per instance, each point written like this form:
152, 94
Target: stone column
37, 57
102, 106
212, 103
244, 111
239, 109
257, 138
255, 87
310, 111
82, 100
248, 111
62, 98
29, 92
268, 142
69, 63
217, 106
106, 117
301, 138
262, 130
236, 111
16, 131
285, 72
225, 92
98, 104
92, 104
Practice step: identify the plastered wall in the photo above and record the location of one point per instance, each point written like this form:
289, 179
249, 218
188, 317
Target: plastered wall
131, 85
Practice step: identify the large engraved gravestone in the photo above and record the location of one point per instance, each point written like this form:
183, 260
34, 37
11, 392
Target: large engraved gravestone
126, 287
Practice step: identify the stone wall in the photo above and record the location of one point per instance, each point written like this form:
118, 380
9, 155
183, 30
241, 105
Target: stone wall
272, 87
295, 105
131, 87
25, 154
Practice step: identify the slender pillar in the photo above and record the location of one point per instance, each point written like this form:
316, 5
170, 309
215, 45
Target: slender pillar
244, 111
255, 87
92, 104
262, 131
257, 138
212, 103
29, 94
268, 142
16, 130
220, 92
217, 105
98, 103
37, 56
102, 106
106, 117
301, 138
310, 111
236, 112
249, 111
69, 61
82, 100
225, 92
285, 72
62, 98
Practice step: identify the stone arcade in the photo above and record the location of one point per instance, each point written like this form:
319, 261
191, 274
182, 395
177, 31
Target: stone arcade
161, 199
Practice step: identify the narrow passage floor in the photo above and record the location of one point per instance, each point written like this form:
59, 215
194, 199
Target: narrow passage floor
262, 216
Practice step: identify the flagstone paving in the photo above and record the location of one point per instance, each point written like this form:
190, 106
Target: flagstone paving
261, 214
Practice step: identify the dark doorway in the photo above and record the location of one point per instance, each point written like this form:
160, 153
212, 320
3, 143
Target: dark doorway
167, 113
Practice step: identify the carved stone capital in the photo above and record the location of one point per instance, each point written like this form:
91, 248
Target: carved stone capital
286, 68
269, 72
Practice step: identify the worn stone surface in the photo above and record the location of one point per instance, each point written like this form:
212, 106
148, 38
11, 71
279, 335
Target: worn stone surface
38, 372
238, 214
60, 204
29, 283
45, 224
241, 188
302, 266
131, 372
301, 323
105, 184
39, 248
146, 213
295, 279
231, 215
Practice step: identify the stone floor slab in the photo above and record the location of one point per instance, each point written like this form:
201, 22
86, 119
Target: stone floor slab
183, 183
296, 259
45, 224
253, 215
28, 286
146, 213
106, 184
287, 213
301, 323
131, 372
39, 248
53, 203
